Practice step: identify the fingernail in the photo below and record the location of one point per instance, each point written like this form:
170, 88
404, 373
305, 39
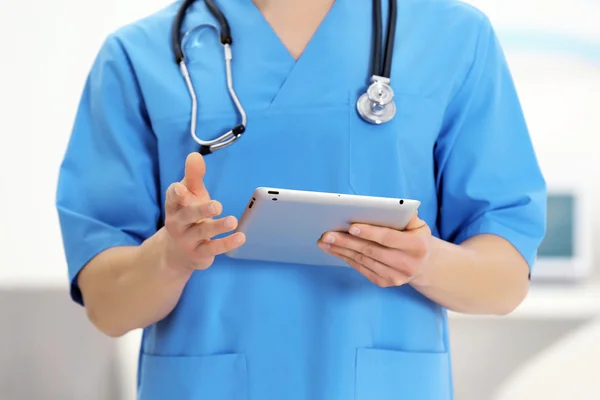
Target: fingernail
238, 239
329, 239
177, 190
324, 246
354, 231
229, 223
212, 208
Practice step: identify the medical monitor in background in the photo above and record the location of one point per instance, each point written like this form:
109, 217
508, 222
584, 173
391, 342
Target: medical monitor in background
566, 251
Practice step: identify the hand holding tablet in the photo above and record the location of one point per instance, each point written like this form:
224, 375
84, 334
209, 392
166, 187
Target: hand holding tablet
387, 257
283, 225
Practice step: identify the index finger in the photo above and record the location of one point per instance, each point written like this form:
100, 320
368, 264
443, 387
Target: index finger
386, 237
195, 169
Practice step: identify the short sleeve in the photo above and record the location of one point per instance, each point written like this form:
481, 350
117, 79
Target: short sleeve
488, 177
107, 186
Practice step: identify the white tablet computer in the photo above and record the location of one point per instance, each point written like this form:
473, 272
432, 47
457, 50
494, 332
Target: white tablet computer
283, 225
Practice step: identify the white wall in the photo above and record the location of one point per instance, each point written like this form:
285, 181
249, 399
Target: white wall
47, 50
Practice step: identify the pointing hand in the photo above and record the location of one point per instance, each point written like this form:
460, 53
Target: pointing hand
190, 221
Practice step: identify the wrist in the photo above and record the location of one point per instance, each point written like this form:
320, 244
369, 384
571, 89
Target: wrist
172, 267
445, 262
439, 250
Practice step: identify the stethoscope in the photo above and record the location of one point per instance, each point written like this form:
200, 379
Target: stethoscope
375, 106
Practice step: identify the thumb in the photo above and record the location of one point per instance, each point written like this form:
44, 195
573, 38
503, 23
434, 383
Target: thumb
195, 169
415, 223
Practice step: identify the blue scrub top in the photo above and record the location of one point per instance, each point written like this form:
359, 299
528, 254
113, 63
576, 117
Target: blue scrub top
262, 331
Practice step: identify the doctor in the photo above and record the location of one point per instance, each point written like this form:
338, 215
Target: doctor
146, 218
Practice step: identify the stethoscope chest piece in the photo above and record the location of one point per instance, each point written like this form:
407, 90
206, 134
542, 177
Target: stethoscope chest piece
377, 105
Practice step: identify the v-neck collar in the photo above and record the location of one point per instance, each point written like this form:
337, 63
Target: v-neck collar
267, 24
312, 60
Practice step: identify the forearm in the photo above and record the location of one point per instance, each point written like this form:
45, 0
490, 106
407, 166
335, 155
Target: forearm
126, 288
483, 275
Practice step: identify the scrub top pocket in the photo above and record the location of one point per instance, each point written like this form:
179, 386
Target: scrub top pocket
395, 159
400, 375
222, 377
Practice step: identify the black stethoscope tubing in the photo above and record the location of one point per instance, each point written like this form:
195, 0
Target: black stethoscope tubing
176, 38
378, 68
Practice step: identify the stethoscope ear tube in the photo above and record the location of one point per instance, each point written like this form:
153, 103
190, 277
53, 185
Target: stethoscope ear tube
207, 146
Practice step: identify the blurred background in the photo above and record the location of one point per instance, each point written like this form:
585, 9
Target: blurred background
548, 349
